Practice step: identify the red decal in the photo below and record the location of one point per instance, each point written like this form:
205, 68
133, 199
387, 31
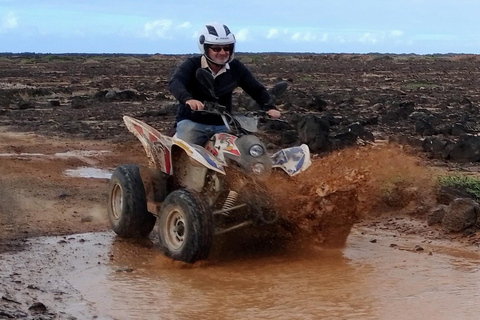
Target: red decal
233, 150
151, 137
138, 128
168, 165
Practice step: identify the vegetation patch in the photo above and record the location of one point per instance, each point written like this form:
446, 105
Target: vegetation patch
467, 183
421, 86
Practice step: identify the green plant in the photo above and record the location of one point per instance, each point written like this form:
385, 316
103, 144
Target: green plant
468, 183
420, 85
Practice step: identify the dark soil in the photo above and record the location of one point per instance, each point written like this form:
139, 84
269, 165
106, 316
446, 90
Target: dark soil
86, 96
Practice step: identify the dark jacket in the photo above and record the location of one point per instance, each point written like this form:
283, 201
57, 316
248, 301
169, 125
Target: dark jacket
184, 86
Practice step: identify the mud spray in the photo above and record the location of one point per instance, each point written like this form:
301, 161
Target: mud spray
344, 187
319, 207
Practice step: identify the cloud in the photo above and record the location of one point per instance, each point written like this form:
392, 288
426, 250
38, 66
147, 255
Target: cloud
185, 25
371, 37
368, 38
167, 29
308, 36
376, 37
325, 37
8, 22
296, 36
158, 28
396, 33
242, 35
272, 34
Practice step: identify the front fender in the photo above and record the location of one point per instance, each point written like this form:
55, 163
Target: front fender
292, 160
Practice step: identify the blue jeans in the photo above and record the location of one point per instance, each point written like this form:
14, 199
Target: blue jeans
197, 133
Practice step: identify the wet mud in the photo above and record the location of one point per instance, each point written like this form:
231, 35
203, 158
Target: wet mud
376, 276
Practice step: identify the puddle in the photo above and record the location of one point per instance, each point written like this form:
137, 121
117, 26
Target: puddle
82, 153
124, 280
23, 154
69, 154
86, 172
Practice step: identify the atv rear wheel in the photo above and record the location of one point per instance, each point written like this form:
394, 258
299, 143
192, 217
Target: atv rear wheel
185, 226
127, 203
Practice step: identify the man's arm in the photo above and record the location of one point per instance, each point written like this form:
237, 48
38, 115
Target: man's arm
180, 79
252, 86
257, 91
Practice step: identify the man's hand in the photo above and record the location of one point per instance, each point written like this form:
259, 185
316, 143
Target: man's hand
273, 113
194, 104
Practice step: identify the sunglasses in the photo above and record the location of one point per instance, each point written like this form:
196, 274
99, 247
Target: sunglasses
218, 49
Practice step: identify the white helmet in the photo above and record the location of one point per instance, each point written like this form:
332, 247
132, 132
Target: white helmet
216, 34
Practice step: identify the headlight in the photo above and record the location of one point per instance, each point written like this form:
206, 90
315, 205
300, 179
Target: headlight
258, 168
256, 151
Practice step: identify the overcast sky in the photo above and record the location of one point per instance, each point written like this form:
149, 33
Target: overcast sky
172, 26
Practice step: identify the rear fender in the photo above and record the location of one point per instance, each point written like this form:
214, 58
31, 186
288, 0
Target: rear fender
292, 160
157, 146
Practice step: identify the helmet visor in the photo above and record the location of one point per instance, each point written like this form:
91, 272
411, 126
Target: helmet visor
217, 48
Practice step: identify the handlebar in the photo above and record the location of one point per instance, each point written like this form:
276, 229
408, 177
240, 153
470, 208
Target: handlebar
214, 107
218, 109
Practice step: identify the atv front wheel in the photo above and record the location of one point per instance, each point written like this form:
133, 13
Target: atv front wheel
127, 203
185, 226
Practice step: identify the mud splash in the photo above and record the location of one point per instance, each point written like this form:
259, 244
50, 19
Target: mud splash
339, 189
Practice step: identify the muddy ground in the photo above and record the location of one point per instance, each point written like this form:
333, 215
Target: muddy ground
64, 112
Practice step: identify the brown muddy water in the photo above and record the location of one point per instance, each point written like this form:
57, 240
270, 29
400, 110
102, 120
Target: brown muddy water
376, 276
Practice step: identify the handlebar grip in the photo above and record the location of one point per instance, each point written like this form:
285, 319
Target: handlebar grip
214, 107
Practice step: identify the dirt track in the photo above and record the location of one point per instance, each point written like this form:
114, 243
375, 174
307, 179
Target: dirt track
53, 120
38, 198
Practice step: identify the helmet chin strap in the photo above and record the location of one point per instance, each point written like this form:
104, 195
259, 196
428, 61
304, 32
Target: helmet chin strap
215, 63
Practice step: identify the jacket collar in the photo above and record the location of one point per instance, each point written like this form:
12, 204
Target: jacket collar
205, 65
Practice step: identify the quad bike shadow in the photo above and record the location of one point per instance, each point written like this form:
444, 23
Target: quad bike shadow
195, 192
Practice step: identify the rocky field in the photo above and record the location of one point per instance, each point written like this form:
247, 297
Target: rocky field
430, 102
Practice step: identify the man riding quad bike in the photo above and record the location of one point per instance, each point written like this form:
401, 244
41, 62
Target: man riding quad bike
196, 192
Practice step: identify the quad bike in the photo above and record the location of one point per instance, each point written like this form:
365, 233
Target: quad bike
196, 192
